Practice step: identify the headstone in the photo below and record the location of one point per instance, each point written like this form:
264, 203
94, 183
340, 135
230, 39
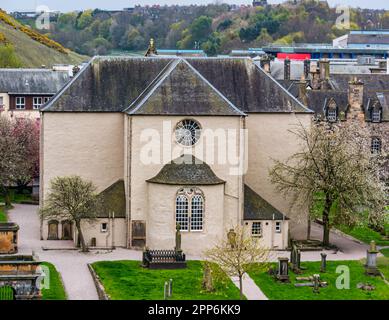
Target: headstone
283, 269
170, 291
178, 238
166, 291
231, 236
207, 278
316, 283
323, 265
371, 260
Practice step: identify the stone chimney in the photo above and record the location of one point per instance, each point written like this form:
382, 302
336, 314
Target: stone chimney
287, 69
315, 76
265, 63
307, 68
302, 85
355, 100
324, 67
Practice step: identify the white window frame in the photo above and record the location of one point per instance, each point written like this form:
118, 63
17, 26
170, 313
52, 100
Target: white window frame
332, 115
190, 209
376, 145
256, 229
36, 105
278, 227
46, 99
376, 115
102, 228
19, 104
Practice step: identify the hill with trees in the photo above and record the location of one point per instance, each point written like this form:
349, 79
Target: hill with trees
22, 46
216, 28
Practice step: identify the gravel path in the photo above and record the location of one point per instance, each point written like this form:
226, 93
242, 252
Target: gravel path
73, 265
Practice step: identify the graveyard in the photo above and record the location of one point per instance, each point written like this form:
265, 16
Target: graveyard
277, 290
128, 280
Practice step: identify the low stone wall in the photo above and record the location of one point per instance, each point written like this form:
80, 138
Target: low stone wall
99, 286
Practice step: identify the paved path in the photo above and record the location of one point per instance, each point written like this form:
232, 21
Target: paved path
250, 289
73, 265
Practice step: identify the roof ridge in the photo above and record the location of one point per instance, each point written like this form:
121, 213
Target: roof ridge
236, 109
154, 84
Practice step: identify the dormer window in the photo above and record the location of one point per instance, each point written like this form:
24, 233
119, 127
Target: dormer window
376, 115
20, 103
332, 111
332, 115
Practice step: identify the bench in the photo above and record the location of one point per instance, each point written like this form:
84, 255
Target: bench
163, 259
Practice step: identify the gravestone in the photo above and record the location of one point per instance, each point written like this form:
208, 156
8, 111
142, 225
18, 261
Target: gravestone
178, 238
231, 236
371, 260
283, 269
323, 265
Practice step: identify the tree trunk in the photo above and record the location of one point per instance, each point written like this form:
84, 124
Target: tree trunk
241, 286
7, 197
84, 248
309, 228
326, 221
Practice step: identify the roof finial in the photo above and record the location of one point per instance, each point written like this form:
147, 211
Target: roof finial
152, 50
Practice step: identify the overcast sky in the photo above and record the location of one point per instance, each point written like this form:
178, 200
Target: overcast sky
69, 5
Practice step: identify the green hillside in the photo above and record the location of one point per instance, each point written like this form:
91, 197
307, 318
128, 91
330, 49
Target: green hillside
32, 49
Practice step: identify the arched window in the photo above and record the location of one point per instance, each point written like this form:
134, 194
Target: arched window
190, 209
376, 145
196, 221
182, 212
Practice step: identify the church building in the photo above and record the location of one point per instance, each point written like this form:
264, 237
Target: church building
170, 140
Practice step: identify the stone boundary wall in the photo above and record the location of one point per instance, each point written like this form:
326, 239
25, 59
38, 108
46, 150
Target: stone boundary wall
99, 286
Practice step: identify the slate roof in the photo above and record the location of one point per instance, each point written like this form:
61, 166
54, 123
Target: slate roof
113, 199
376, 87
186, 170
117, 84
257, 208
368, 39
32, 81
175, 91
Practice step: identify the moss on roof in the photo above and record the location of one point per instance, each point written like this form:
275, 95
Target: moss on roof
182, 90
257, 208
186, 170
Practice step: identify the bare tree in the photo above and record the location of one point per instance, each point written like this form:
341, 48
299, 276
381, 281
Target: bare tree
238, 253
335, 163
74, 199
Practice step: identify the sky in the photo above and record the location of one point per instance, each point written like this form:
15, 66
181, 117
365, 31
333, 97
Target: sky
70, 5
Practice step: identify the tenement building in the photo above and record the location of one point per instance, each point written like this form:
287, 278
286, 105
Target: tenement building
24, 91
363, 98
169, 141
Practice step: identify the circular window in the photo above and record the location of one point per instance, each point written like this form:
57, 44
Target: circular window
187, 132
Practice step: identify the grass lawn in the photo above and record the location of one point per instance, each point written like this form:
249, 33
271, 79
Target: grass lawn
385, 252
127, 280
56, 290
17, 198
287, 291
3, 216
365, 234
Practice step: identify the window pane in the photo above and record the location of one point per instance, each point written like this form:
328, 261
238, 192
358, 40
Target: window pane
256, 229
182, 216
197, 213
331, 115
375, 145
